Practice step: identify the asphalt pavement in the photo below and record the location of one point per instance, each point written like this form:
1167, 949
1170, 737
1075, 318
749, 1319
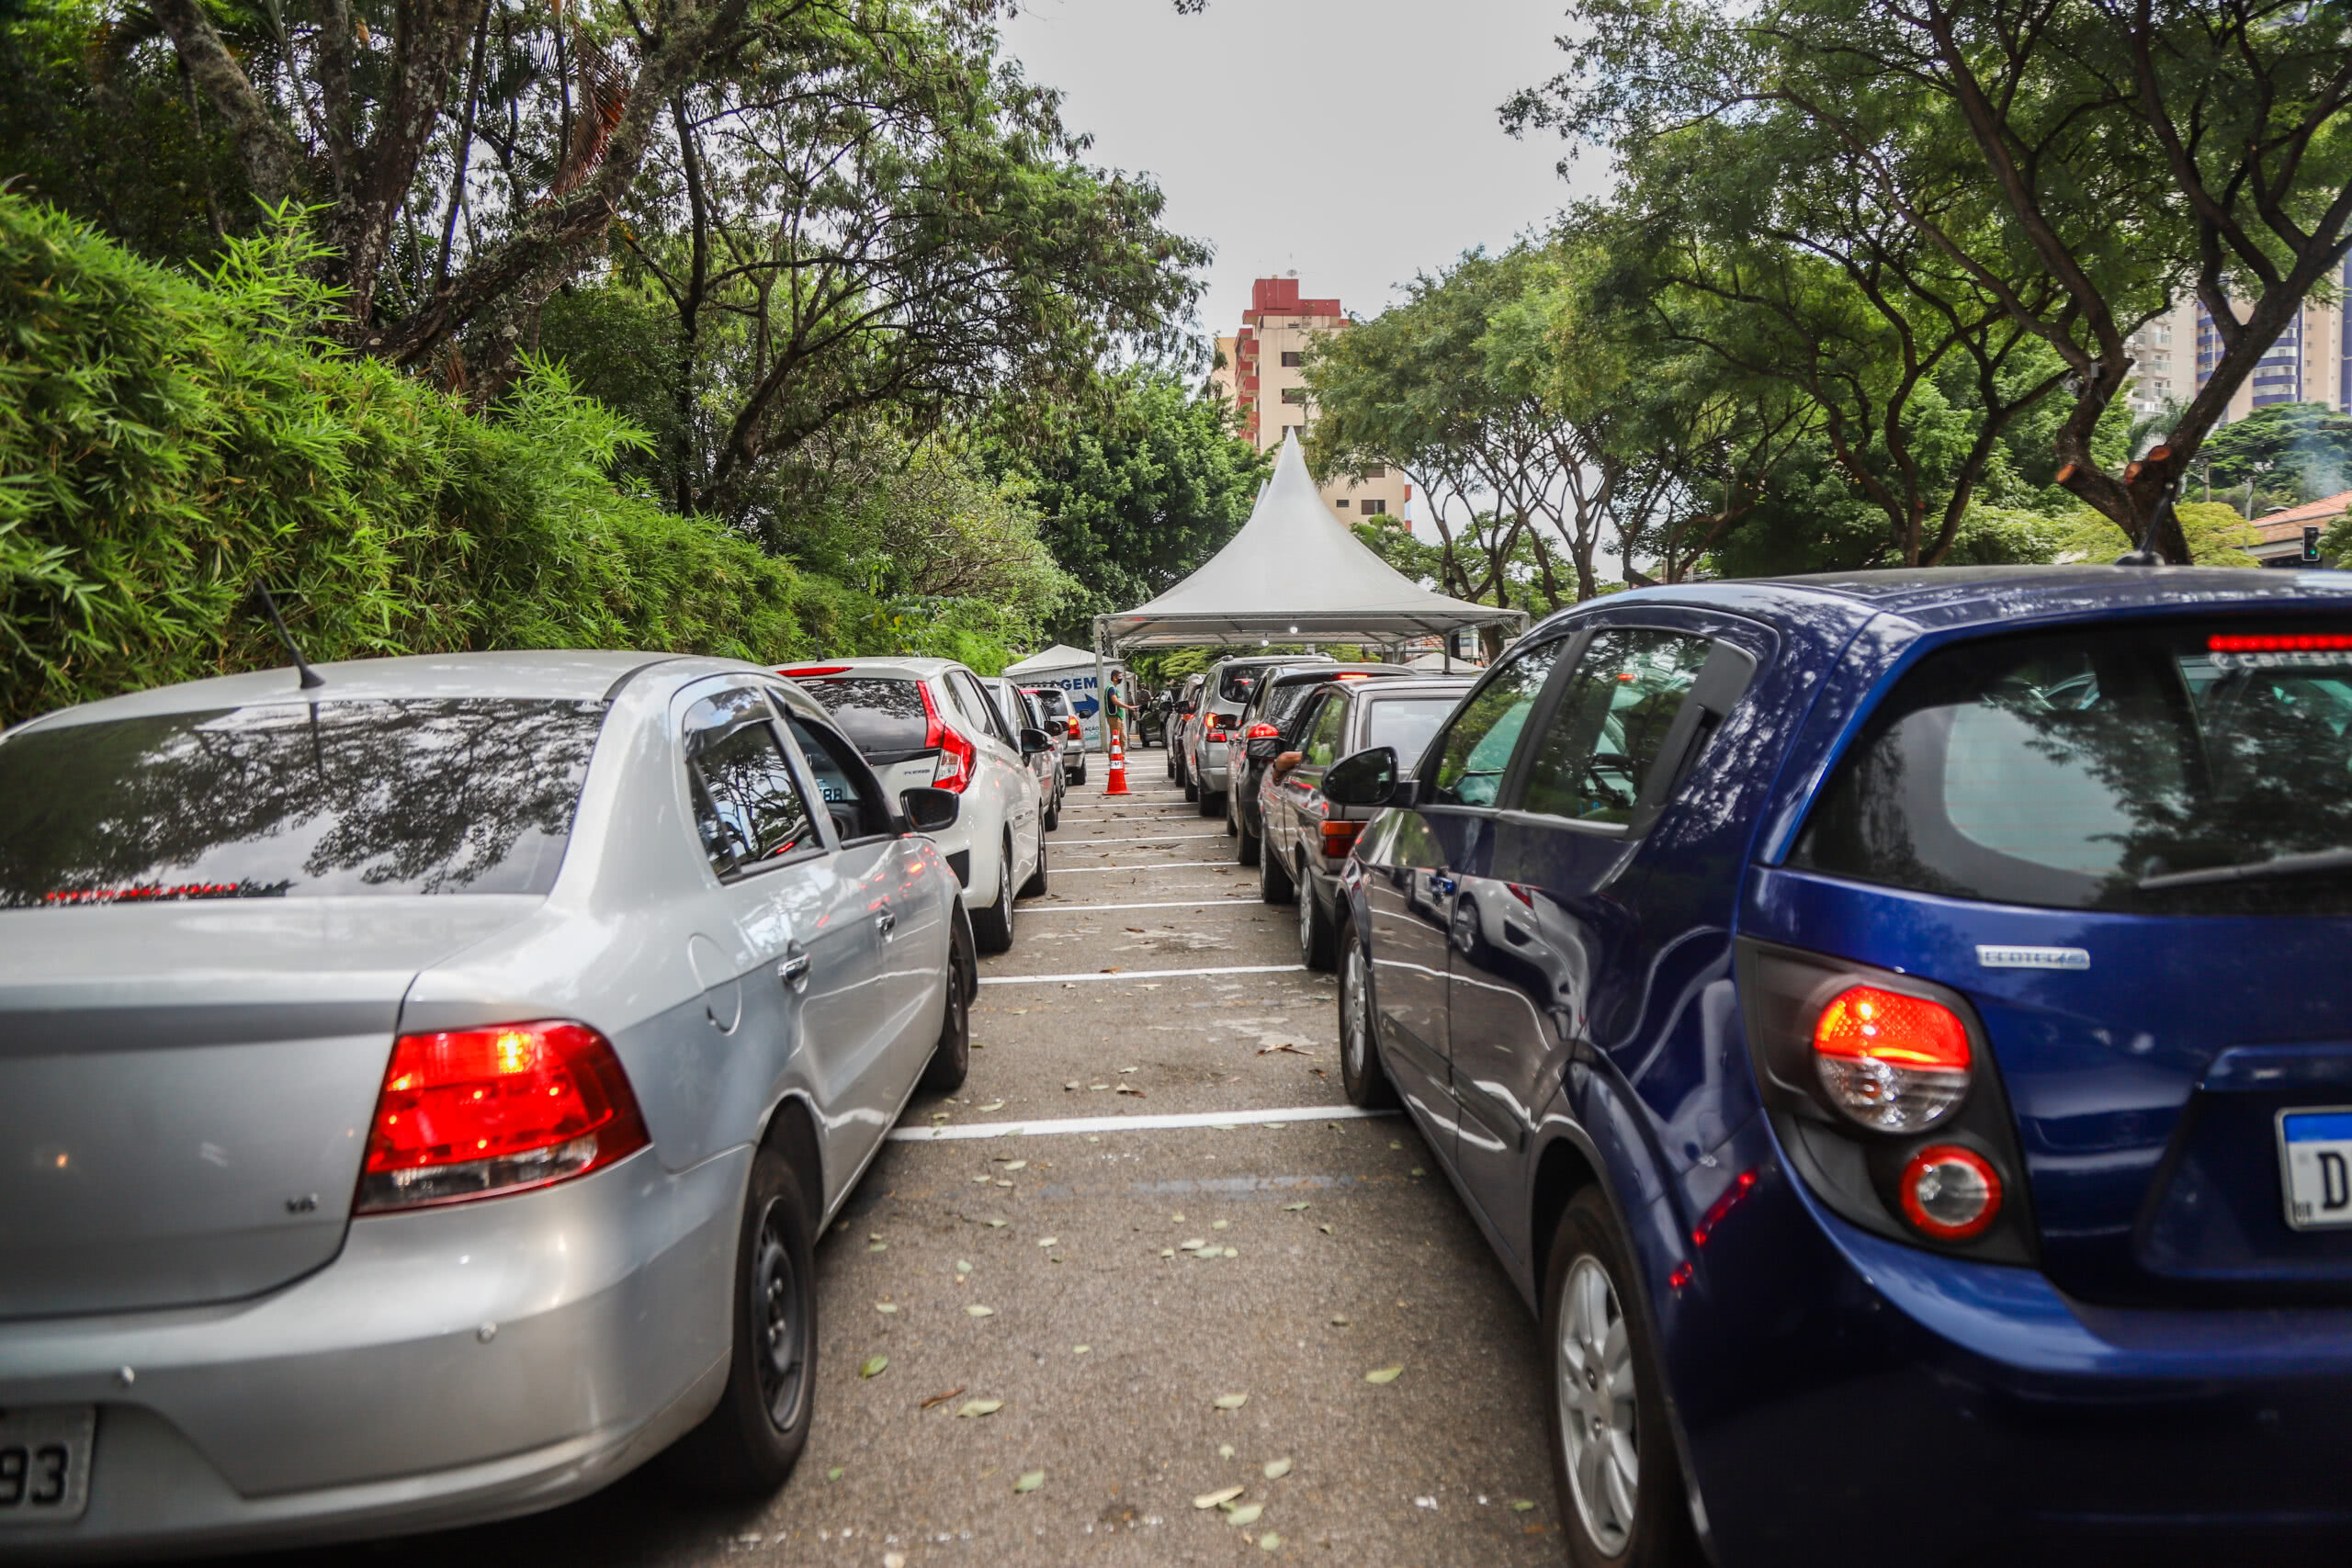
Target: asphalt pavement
1124, 1298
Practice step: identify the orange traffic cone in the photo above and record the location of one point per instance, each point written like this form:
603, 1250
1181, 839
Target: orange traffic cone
1118, 781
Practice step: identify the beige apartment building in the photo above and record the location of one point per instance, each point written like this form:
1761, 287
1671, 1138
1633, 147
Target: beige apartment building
2310, 362
1260, 367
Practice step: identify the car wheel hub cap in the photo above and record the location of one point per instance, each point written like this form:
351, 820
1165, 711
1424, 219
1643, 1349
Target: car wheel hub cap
1356, 1010
777, 1299
1306, 917
1596, 1385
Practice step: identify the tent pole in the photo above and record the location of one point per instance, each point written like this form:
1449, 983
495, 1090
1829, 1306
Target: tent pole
1101, 692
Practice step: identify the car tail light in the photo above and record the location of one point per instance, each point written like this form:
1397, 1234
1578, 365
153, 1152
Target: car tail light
956, 755
1339, 837
800, 670
479, 1112
1217, 729
2290, 642
1895, 1063
1262, 730
1950, 1193
1073, 727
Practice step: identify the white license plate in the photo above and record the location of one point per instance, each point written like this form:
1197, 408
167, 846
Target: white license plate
2315, 1158
45, 1463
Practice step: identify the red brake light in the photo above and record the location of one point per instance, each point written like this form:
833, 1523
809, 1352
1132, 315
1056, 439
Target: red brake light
477, 1112
956, 755
1073, 727
2292, 642
1339, 837
1950, 1193
800, 670
1893, 1062
1262, 730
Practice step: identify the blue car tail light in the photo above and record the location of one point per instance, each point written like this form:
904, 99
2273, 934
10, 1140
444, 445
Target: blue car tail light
1856, 1066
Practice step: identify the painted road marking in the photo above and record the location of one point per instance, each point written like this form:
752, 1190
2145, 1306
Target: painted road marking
1134, 1124
1154, 865
1242, 903
1141, 974
1152, 839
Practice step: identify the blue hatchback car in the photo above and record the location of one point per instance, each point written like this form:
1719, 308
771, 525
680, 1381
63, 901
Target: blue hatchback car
1897, 1029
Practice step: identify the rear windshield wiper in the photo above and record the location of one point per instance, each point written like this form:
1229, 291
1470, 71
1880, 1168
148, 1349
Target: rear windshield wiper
2277, 865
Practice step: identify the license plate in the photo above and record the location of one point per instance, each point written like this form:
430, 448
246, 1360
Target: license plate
2315, 1158
45, 1463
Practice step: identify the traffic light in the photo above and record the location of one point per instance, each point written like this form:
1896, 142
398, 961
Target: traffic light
2310, 546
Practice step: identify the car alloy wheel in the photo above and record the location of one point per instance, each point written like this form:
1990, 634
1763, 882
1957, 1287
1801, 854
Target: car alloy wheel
1362, 1076
782, 1346
1592, 1358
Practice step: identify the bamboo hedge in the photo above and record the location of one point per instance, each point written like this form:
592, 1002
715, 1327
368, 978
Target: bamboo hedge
168, 439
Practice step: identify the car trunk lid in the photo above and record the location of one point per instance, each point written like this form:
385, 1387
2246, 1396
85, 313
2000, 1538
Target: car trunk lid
185, 1088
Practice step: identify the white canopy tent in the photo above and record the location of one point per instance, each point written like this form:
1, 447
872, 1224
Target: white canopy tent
1294, 574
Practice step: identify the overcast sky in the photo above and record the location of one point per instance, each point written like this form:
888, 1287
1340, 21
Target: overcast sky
1352, 140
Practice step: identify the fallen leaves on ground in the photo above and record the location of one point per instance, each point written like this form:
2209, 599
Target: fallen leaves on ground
1245, 1514
1235, 1401
1384, 1374
886, 1306
1030, 1481
1276, 1469
873, 1366
976, 1310
1222, 1495
941, 1398
979, 1407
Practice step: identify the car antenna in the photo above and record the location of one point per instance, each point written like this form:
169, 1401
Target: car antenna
2145, 554
310, 678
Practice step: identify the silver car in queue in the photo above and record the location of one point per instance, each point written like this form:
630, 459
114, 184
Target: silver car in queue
419, 1092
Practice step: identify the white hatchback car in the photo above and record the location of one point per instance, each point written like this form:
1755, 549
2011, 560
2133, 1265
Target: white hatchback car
927, 721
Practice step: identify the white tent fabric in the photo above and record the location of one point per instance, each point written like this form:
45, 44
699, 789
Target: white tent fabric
1294, 574
1062, 656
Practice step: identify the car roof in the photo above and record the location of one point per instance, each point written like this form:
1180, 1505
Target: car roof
1418, 686
575, 675
1965, 595
906, 667
1326, 671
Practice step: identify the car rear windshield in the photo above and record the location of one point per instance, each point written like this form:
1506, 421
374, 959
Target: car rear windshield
2167, 768
1406, 723
1234, 687
339, 798
882, 714
1056, 701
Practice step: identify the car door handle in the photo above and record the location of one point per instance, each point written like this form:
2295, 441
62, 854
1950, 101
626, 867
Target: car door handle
886, 921
794, 970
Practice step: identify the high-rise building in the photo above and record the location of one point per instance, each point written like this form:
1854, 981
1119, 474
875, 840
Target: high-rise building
1262, 368
2309, 362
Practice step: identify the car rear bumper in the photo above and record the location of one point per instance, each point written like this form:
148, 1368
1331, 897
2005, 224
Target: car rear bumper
449, 1367
1831, 1384
1213, 774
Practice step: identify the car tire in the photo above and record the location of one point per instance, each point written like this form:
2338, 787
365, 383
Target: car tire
951, 1058
1051, 817
1316, 940
1232, 815
1211, 804
1082, 774
1036, 883
1274, 885
746, 1446
992, 927
1192, 790
1245, 846
1622, 1504
1362, 1075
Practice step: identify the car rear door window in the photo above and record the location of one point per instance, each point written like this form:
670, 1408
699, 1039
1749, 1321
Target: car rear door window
1611, 727
976, 705
2187, 768
847, 786
748, 808
407, 796
1477, 747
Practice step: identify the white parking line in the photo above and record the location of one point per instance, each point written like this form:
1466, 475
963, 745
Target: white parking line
1134, 1124
1152, 839
1140, 975
1241, 903
1154, 865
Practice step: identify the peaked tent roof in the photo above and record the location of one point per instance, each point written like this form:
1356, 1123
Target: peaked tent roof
1062, 656
1294, 573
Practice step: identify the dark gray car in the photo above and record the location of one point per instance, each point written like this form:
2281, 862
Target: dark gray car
1307, 837
420, 1093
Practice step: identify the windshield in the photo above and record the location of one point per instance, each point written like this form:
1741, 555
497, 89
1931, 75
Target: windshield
445, 796
2070, 769
1406, 723
883, 714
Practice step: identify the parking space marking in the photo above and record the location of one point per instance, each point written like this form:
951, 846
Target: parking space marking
1140, 975
1152, 839
1050, 1126
1154, 865
1236, 901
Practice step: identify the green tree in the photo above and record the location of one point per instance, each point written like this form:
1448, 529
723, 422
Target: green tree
1135, 486
2303, 449
2077, 160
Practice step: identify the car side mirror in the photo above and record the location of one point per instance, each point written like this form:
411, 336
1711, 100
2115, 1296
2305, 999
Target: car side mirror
1035, 741
1265, 749
929, 811
1369, 777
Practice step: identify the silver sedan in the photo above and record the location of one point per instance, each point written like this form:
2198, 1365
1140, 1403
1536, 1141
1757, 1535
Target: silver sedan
419, 1093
